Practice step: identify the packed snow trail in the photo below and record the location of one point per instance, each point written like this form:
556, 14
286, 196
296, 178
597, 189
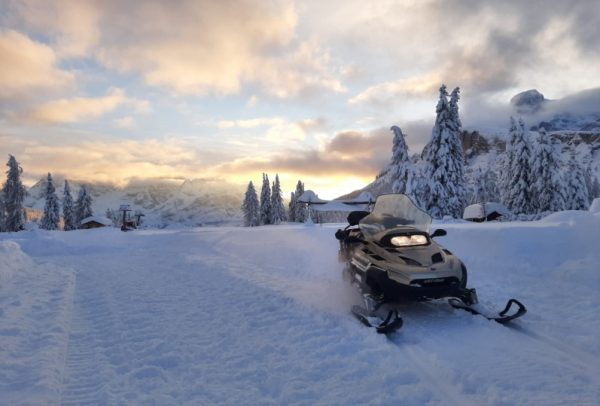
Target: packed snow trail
260, 316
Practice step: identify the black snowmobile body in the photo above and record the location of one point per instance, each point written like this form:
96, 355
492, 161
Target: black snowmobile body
391, 257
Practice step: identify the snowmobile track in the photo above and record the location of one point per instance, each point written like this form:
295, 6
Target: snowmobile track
87, 374
447, 392
575, 358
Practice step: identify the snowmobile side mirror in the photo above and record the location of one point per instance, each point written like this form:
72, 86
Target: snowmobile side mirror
440, 232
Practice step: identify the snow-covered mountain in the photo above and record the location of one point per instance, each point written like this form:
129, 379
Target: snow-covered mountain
528, 102
189, 203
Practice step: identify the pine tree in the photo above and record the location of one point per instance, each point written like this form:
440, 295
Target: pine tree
479, 194
250, 207
400, 165
546, 191
2, 213
291, 207
68, 210
577, 193
14, 194
416, 187
83, 206
595, 191
277, 208
265, 201
507, 162
51, 215
444, 158
518, 195
484, 186
298, 208
456, 123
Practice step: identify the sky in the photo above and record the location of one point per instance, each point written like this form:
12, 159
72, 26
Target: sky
113, 91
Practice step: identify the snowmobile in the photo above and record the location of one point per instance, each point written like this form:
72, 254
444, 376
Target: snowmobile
392, 258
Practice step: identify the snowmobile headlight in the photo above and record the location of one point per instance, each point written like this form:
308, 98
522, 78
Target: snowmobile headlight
409, 240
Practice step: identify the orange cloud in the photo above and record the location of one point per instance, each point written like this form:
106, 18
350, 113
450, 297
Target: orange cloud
83, 108
28, 66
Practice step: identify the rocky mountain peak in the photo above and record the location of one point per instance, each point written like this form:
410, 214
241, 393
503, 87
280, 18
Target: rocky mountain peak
528, 102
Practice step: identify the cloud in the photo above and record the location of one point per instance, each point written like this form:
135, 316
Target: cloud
125, 122
189, 46
311, 125
490, 48
82, 108
28, 66
347, 153
275, 129
73, 25
108, 160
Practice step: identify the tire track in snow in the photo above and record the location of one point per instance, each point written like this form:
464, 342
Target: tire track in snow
88, 369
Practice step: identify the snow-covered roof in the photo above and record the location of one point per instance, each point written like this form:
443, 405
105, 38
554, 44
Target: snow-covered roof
311, 197
97, 219
336, 205
480, 210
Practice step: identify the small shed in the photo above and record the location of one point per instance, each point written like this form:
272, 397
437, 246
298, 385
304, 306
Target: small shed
95, 222
480, 212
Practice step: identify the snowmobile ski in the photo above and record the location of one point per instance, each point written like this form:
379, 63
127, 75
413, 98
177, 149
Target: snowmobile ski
503, 317
391, 323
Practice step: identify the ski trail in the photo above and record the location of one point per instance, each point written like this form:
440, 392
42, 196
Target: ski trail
88, 369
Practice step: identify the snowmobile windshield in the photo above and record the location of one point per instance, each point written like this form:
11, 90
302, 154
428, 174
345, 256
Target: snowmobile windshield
393, 211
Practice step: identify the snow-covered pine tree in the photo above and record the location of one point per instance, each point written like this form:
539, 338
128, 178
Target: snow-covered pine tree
547, 189
250, 207
299, 209
507, 162
479, 192
518, 196
454, 98
291, 206
51, 215
68, 210
595, 192
277, 208
444, 161
83, 206
576, 191
401, 165
484, 186
416, 187
2, 213
265, 201
14, 194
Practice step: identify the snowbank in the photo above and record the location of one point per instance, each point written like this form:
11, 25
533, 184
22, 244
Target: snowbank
571, 217
35, 312
12, 260
595, 206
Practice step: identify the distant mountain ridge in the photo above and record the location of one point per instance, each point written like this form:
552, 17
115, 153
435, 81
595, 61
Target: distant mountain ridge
192, 202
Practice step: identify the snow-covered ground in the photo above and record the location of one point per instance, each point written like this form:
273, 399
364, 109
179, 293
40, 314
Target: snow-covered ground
260, 316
